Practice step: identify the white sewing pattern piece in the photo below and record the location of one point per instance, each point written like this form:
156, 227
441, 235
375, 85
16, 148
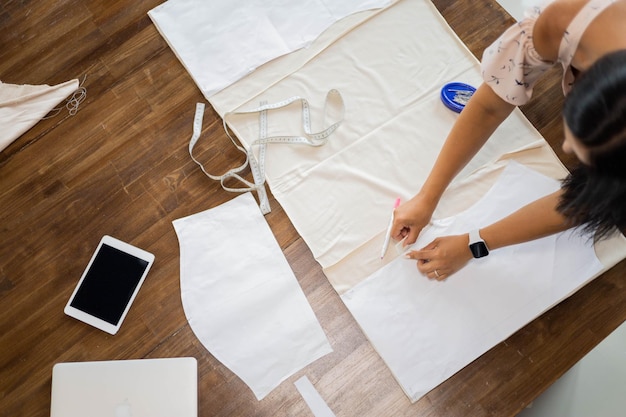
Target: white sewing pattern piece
426, 330
258, 166
242, 35
241, 297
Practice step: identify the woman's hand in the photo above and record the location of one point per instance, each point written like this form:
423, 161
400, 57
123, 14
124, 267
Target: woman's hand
443, 256
410, 218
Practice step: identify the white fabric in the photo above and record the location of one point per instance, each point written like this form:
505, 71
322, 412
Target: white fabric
394, 127
219, 42
242, 299
427, 330
22, 106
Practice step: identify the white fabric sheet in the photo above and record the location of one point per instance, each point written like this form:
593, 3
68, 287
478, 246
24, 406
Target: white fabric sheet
427, 330
220, 41
338, 195
242, 299
22, 106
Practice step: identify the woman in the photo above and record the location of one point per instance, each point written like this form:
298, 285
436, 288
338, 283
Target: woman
589, 39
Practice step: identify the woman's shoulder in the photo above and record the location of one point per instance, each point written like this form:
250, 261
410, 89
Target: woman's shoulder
551, 24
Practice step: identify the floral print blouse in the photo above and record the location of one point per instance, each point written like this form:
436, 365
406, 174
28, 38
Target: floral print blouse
512, 67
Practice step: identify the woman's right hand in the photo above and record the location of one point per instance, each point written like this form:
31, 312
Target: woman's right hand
475, 124
410, 218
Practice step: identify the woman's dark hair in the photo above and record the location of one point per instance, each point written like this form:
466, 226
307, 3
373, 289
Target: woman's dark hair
594, 195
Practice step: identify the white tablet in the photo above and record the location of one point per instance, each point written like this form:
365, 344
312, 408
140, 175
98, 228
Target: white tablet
109, 284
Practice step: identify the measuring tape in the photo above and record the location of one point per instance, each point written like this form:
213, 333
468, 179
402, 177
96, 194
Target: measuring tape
258, 167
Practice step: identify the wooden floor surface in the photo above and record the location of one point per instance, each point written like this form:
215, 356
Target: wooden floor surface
120, 166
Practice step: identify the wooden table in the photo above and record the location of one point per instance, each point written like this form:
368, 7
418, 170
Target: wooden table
120, 166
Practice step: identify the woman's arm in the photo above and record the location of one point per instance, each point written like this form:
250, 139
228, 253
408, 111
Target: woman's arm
448, 254
482, 115
536, 220
484, 112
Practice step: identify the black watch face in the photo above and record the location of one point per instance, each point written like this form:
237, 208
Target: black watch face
479, 249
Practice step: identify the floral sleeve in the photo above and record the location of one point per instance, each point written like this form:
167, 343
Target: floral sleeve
511, 66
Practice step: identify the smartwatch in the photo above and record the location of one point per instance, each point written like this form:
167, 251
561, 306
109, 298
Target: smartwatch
477, 245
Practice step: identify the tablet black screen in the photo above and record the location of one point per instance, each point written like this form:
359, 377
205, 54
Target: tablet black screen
109, 284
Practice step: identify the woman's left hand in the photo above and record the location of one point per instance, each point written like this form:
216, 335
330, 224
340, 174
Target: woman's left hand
443, 256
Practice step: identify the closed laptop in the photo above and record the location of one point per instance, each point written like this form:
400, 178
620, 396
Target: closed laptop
126, 388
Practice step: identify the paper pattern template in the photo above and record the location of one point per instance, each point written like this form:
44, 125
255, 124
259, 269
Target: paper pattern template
426, 330
241, 297
220, 41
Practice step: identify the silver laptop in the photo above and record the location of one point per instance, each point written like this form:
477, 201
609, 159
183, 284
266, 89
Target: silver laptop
127, 388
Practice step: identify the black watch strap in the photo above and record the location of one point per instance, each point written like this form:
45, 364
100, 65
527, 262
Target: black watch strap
477, 245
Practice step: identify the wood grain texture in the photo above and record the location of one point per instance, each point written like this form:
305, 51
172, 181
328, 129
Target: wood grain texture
120, 166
